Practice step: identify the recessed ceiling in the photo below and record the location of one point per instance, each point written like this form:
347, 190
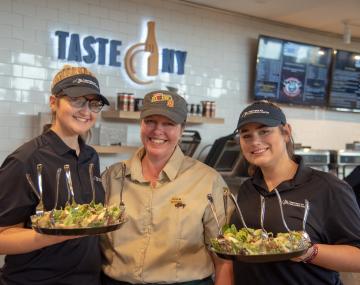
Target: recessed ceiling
321, 15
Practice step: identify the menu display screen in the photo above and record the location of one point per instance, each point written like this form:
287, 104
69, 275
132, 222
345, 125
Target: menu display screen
292, 72
345, 83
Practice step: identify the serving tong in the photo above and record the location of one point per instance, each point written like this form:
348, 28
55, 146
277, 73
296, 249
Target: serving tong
305, 236
264, 234
213, 210
233, 198
226, 194
123, 172
225, 198
40, 209
306, 213
40, 206
91, 175
71, 196
52, 220
39, 168
122, 184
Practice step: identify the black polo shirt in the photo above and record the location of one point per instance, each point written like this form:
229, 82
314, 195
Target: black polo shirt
354, 181
334, 218
75, 261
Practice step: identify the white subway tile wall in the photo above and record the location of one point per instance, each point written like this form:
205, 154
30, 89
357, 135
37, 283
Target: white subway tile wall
219, 66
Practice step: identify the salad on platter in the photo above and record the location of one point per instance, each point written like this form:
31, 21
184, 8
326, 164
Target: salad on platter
250, 242
79, 216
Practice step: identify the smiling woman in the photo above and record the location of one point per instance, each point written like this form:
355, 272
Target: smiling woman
165, 192
31, 257
288, 186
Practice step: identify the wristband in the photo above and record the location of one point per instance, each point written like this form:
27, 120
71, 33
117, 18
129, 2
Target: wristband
313, 254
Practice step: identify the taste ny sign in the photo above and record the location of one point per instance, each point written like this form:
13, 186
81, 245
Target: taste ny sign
103, 51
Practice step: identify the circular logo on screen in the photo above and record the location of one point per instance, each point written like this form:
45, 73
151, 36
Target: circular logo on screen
292, 86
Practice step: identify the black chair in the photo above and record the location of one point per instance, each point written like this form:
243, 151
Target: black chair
189, 142
225, 156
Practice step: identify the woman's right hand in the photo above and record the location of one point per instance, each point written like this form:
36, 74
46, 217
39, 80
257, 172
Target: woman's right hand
58, 238
16, 239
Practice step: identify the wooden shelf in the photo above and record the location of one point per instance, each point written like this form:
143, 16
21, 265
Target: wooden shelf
135, 116
204, 120
111, 149
122, 115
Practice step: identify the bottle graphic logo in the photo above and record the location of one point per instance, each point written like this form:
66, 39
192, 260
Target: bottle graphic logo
150, 45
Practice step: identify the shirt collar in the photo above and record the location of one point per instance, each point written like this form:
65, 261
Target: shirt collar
169, 172
172, 167
133, 166
301, 176
58, 144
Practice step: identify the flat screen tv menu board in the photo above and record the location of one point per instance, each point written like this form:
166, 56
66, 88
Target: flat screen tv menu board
292, 72
345, 81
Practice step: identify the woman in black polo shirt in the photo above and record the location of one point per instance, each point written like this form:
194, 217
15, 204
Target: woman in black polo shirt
33, 258
334, 217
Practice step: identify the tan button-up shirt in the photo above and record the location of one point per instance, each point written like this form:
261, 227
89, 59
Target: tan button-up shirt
169, 226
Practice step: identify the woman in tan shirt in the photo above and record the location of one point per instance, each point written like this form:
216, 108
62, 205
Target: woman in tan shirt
166, 237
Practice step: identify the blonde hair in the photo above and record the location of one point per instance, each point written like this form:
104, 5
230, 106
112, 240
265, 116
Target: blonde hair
68, 71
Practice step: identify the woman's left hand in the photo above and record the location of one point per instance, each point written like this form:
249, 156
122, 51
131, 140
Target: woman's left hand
309, 255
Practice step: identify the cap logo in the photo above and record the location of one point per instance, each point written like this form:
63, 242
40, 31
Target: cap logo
256, 111
87, 81
161, 97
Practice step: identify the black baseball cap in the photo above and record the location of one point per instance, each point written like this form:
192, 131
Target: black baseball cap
165, 103
262, 112
79, 85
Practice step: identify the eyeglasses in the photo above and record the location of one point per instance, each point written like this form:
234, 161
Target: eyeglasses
95, 104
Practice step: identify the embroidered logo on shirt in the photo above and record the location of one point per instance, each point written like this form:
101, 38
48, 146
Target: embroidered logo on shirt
177, 202
291, 203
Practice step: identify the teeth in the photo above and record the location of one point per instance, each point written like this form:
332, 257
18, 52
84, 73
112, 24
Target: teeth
82, 119
158, 141
259, 151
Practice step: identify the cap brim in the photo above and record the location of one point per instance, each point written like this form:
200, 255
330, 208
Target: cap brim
170, 115
263, 121
84, 91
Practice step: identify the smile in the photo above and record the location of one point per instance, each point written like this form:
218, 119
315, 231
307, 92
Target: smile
259, 151
83, 120
157, 141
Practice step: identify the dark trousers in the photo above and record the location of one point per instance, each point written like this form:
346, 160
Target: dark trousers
109, 281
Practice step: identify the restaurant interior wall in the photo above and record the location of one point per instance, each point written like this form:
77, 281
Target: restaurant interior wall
221, 50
